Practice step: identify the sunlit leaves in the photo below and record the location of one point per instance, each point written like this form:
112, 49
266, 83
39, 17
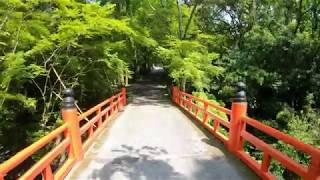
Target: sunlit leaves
16, 70
29, 103
189, 61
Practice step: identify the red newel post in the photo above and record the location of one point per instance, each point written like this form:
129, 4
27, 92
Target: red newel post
124, 95
69, 115
238, 109
174, 94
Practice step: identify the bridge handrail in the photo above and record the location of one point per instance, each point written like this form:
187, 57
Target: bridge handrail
73, 142
282, 136
270, 152
216, 106
30, 150
237, 134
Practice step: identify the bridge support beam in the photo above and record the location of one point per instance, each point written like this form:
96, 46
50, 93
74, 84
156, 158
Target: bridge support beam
69, 115
238, 109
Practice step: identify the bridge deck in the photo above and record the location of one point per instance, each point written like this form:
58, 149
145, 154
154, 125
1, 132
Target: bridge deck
152, 139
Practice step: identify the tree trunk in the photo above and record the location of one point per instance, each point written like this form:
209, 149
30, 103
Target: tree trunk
183, 84
128, 8
190, 19
253, 13
299, 17
126, 80
287, 14
314, 19
180, 19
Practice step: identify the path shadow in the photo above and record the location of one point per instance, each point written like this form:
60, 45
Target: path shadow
138, 164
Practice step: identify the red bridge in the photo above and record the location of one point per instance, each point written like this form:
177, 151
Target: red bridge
153, 139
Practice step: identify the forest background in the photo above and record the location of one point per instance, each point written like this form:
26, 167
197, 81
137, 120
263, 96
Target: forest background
206, 46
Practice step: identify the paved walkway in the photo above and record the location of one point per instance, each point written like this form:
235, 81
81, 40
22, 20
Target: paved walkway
153, 140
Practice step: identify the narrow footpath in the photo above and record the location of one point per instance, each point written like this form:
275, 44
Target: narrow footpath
154, 140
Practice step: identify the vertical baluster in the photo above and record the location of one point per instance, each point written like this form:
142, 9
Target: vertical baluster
216, 125
111, 105
124, 96
177, 94
197, 112
99, 116
205, 112
189, 103
173, 93
186, 102
114, 104
314, 168
47, 173
107, 116
182, 100
90, 130
265, 162
118, 102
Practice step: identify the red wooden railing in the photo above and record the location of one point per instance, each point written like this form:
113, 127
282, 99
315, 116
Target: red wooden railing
78, 132
231, 130
229, 126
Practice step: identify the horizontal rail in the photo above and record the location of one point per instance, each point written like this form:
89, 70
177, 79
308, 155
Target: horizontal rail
114, 104
217, 118
95, 108
187, 102
71, 131
238, 134
46, 160
64, 169
220, 108
30, 150
254, 165
307, 172
282, 137
277, 155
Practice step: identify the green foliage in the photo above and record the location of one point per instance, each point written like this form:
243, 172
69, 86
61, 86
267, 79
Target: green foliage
205, 46
190, 62
39, 39
273, 47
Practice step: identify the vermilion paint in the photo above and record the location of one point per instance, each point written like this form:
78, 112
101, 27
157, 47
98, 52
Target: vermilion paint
72, 141
238, 134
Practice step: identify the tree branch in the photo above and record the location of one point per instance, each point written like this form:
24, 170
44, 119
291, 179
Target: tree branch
190, 19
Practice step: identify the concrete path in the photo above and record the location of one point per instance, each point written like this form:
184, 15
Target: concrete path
153, 140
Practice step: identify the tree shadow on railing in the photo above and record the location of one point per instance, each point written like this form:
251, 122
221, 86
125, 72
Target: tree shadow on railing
138, 163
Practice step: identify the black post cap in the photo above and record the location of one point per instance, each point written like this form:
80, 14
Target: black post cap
68, 100
240, 95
